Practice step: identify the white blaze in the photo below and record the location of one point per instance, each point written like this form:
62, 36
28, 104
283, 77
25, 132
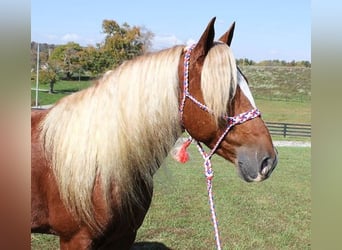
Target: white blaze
245, 88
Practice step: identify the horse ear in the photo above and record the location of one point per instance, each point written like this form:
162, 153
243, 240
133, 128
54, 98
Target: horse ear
206, 41
228, 36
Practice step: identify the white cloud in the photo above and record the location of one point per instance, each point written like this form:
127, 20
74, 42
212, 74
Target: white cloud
165, 41
190, 42
71, 38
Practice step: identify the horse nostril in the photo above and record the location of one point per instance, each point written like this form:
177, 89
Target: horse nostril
265, 166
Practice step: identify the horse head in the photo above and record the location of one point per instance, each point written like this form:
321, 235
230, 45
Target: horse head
214, 95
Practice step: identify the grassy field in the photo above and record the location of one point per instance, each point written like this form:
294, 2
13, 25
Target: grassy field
284, 111
275, 214
61, 89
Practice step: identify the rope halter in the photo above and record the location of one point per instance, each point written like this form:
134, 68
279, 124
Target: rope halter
231, 121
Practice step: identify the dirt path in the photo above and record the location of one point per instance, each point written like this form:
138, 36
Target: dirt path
292, 143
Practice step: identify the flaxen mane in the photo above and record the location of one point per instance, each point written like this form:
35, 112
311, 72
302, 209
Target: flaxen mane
219, 78
125, 125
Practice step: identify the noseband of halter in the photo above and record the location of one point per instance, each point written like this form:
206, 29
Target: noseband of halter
231, 121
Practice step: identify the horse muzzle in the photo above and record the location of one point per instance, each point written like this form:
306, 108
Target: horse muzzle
256, 165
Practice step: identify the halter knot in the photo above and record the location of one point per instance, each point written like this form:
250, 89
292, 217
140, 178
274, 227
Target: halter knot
209, 172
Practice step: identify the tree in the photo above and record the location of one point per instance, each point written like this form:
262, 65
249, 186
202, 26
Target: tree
94, 60
66, 59
49, 77
123, 42
44, 53
145, 38
244, 62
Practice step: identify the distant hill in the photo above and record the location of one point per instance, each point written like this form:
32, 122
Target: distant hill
279, 82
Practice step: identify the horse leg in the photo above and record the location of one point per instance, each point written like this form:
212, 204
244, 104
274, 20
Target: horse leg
123, 242
81, 240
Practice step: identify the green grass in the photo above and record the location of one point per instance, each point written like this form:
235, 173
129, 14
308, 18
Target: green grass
282, 111
61, 89
274, 214
44, 241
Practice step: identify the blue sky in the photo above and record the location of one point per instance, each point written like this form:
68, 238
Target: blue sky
265, 29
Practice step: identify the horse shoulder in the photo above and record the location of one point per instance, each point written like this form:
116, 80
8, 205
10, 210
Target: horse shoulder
39, 209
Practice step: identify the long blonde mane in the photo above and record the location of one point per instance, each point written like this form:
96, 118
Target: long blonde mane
124, 126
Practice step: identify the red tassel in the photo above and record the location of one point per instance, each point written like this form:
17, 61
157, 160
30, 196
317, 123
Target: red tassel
179, 153
183, 155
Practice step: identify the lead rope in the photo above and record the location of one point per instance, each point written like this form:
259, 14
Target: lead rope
208, 171
209, 174
232, 121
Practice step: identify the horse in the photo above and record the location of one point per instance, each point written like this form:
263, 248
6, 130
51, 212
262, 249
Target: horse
94, 153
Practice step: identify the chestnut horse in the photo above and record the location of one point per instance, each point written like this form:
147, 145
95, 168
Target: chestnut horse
94, 153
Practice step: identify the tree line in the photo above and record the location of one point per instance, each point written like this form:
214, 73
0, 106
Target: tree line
293, 63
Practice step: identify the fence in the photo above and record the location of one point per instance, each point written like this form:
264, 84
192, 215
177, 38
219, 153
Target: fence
291, 98
289, 129
275, 128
